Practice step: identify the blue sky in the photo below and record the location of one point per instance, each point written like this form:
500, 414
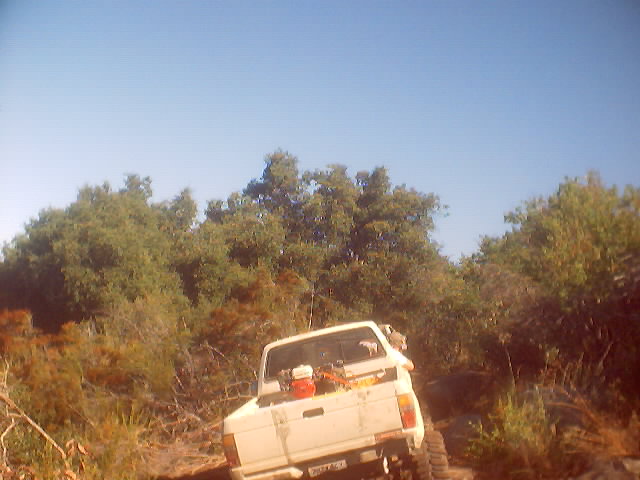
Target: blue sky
485, 104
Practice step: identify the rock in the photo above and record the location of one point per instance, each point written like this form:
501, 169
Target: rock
608, 469
457, 393
632, 464
461, 473
561, 407
458, 431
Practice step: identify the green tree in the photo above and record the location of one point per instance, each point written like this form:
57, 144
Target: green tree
279, 190
580, 247
397, 220
388, 252
180, 213
253, 234
329, 211
104, 248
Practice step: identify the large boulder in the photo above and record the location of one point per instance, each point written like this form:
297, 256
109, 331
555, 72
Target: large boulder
458, 393
458, 431
563, 407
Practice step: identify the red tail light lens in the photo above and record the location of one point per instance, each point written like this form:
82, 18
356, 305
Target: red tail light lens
407, 410
230, 450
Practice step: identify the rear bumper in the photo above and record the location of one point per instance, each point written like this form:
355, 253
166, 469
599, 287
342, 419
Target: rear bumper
364, 459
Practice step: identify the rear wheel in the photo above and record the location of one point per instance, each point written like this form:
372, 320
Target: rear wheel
415, 466
437, 454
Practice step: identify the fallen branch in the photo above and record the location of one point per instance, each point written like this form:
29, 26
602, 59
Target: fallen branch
35, 426
4, 447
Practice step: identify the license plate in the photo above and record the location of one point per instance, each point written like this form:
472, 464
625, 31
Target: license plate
327, 467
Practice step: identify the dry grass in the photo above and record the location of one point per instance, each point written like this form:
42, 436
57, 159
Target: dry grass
602, 435
186, 456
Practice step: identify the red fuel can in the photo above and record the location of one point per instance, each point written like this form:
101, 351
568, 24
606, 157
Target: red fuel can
303, 388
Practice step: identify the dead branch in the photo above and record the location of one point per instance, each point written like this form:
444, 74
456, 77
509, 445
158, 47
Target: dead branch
5, 398
2, 437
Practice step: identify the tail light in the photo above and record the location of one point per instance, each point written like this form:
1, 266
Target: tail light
407, 410
230, 450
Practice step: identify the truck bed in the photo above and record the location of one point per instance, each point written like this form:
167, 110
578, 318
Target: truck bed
294, 432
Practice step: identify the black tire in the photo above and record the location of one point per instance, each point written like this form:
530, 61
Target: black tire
415, 466
429, 462
437, 455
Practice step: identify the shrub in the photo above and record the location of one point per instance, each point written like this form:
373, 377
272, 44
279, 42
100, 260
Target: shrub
117, 443
518, 440
549, 432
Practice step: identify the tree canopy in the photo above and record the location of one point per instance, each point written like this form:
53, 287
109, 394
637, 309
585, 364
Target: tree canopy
330, 229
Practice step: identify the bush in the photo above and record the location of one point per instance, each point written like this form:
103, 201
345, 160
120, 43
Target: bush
549, 432
117, 445
519, 439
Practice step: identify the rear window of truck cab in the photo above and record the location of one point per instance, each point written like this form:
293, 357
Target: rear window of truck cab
344, 347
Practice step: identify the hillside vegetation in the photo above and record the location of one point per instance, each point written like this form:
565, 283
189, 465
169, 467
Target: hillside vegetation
128, 328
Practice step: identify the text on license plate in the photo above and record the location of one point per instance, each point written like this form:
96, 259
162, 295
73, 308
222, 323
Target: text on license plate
327, 467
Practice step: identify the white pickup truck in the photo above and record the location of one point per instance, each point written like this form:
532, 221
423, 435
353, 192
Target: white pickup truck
333, 402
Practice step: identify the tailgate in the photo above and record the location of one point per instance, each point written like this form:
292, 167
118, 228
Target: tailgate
304, 429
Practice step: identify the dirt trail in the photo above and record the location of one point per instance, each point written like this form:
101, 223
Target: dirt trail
461, 473
217, 473
221, 473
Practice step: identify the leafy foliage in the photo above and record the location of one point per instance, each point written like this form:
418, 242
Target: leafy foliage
548, 433
578, 251
155, 318
104, 248
520, 439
